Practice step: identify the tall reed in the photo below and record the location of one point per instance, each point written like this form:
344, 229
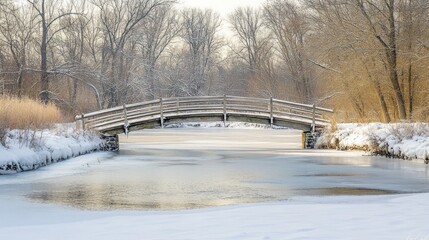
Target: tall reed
27, 113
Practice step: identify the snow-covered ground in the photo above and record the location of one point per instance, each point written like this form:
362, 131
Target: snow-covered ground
400, 140
28, 150
395, 217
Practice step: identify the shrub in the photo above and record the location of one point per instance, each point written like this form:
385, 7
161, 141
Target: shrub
408, 130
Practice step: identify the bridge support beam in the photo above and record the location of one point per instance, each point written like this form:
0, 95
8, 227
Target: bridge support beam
309, 139
110, 143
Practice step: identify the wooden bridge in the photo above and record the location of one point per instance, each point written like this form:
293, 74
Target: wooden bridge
160, 112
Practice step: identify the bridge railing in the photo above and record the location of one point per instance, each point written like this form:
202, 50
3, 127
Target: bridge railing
201, 105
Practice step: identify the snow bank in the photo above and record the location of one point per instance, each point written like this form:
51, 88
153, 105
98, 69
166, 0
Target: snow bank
400, 140
238, 125
28, 150
393, 217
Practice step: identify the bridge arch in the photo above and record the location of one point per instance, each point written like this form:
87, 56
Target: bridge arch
160, 112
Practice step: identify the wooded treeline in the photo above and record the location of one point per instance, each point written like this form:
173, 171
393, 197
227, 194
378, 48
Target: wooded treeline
368, 59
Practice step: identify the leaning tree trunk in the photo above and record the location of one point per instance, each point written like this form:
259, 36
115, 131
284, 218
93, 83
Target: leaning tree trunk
382, 100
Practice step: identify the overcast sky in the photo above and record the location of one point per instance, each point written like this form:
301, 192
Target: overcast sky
223, 7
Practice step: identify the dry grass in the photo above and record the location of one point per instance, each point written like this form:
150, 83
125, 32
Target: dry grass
26, 113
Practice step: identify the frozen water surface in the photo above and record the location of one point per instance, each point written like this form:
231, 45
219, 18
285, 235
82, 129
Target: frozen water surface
196, 168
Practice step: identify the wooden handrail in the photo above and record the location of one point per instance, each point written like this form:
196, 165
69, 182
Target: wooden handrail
159, 108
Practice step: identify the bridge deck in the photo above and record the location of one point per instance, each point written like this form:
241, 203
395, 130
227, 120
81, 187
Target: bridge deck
218, 108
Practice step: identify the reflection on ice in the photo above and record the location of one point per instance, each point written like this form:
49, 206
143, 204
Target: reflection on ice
344, 191
196, 168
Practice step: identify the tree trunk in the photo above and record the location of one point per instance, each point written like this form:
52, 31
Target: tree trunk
386, 116
391, 53
44, 78
151, 77
380, 95
19, 81
74, 94
112, 85
410, 91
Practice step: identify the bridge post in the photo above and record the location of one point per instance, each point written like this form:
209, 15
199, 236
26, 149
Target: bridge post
83, 121
224, 110
271, 112
126, 124
313, 124
161, 113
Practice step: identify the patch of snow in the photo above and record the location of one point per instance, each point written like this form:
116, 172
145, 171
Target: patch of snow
401, 140
28, 150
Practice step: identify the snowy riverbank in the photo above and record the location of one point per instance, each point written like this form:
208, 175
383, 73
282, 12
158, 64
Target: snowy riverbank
26, 150
402, 140
399, 140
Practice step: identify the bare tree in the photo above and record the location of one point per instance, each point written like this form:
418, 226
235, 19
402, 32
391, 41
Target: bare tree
200, 33
119, 19
254, 48
389, 37
49, 12
413, 31
381, 19
17, 30
154, 35
290, 26
74, 65
247, 25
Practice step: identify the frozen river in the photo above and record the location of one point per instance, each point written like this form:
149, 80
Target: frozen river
238, 184
194, 168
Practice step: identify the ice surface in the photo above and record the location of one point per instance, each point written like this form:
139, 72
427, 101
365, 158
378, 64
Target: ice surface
401, 216
386, 217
